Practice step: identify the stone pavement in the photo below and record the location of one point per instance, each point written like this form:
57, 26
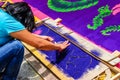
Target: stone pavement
33, 69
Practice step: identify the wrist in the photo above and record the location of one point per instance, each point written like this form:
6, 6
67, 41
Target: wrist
59, 47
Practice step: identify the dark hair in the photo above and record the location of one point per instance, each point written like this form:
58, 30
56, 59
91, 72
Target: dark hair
23, 13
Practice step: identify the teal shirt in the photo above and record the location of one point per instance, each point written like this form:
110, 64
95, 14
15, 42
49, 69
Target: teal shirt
8, 24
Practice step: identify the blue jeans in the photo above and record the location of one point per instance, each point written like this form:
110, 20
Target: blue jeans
11, 56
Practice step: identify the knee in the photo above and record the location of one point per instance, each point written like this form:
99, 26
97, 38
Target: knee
18, 45
19, 48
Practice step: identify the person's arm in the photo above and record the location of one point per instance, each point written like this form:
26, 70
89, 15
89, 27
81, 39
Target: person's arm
44, 37
38, 42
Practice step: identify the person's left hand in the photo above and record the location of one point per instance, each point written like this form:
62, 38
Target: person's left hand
48, 38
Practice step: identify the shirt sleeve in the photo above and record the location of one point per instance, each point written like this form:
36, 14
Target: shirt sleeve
12, 25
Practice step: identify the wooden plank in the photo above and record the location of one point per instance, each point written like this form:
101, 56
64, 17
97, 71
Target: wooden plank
116, 77
51, 67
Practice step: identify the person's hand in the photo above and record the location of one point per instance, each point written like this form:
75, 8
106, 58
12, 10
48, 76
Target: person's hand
48, 38
63, 45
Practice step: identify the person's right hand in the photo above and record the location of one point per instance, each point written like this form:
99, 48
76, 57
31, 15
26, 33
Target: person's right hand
63, 45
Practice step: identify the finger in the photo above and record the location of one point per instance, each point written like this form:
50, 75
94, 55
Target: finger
68, 44
65, 42
50, 39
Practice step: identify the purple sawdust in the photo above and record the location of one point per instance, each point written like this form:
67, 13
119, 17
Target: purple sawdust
78, 20
73, 61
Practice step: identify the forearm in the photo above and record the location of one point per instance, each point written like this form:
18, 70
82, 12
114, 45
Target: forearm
47, 45
42, 44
